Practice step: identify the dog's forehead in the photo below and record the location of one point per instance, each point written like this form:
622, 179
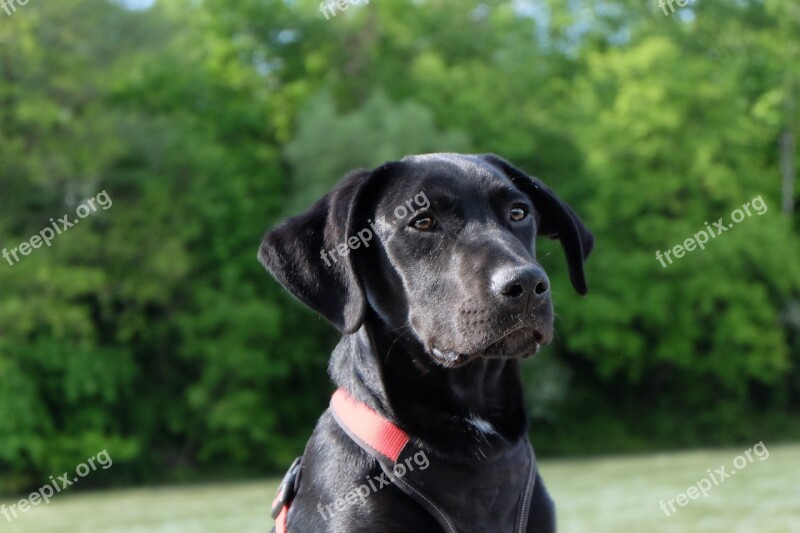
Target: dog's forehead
452, 176
456, 165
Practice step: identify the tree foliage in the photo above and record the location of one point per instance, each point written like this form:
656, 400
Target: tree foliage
150, 329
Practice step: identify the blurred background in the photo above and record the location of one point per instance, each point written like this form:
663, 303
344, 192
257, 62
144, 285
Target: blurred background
151, 331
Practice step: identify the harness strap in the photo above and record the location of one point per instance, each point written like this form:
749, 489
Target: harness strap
427, 503
527, 495
384, 441
280, 522
286, 493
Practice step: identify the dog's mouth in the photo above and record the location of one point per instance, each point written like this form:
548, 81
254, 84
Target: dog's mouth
522, 342
450, 358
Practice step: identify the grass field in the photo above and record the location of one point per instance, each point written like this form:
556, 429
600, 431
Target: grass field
614, 495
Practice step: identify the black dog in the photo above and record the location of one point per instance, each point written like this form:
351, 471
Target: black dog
437, 302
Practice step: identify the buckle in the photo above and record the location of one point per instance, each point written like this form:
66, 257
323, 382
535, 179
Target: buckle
287, 488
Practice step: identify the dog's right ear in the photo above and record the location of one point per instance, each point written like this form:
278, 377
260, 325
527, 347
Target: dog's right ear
302, 255
558, 220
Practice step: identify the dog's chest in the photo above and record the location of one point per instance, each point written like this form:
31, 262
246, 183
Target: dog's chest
482, 496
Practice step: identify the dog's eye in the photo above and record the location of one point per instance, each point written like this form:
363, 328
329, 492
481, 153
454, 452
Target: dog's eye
424, 223
518, 213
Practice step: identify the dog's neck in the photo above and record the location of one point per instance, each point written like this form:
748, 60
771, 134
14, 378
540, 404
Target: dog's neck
475, 410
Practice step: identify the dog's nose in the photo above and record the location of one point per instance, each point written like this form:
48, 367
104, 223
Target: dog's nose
516, 283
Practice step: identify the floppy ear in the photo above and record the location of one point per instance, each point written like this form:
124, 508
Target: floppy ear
302, 255
558, 220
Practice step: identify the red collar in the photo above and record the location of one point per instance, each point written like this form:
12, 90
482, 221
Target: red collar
367, 427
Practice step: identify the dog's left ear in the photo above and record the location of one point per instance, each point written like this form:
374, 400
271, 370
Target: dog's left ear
303, 253
558, 220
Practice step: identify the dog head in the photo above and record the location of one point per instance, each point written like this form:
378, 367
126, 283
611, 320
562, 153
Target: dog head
440, 247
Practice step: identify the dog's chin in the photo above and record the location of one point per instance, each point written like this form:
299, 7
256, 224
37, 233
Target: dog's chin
519, 344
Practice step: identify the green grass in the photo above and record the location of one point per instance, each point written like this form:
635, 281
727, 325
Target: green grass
619, 494
622, 494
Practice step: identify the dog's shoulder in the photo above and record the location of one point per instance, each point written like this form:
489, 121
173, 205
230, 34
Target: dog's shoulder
342, 488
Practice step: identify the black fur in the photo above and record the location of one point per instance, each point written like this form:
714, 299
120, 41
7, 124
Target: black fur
434, 323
